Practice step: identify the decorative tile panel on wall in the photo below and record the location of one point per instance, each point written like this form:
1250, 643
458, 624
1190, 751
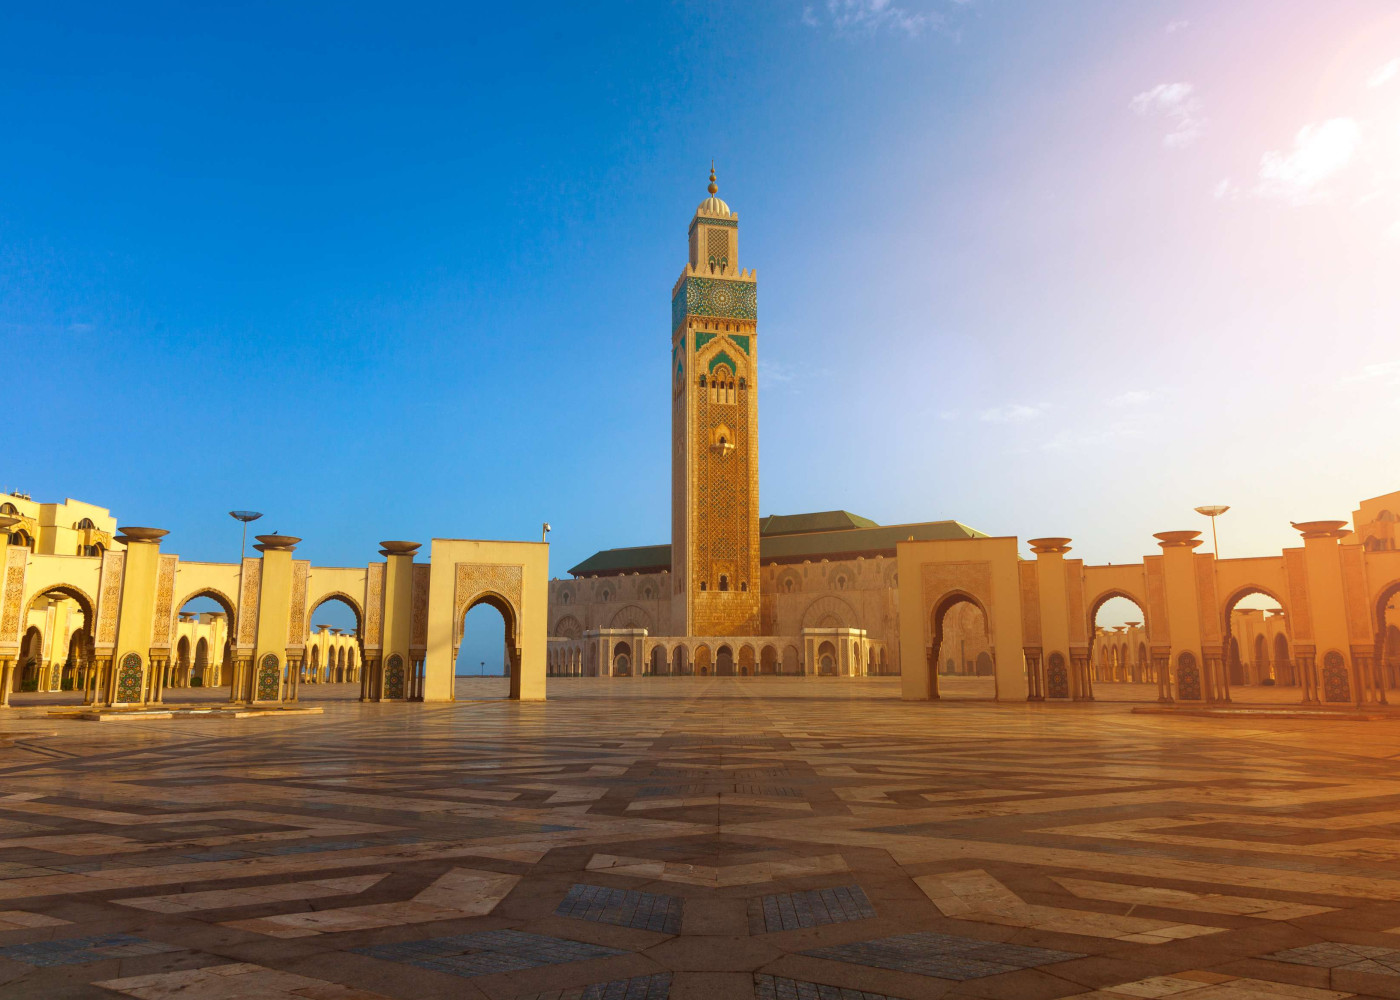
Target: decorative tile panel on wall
269, 678
1205, 598
393, 677
938, 579
16, 559
248, 602
1299, 608
164, 621
374, 605
475, 579
109, 599
727, 298
296, 622
1030, 602
129, 680
1154, 571
419, 636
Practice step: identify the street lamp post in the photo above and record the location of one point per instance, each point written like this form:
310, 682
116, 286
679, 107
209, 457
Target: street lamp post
245, 516
1213, 511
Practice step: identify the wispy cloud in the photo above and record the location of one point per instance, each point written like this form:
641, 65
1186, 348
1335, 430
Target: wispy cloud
1300, 175
1011, 413
1174, 26
1384, 74
1089, 440
867, 17
1178, 104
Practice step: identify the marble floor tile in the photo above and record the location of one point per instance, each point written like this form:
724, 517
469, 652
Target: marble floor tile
701, 837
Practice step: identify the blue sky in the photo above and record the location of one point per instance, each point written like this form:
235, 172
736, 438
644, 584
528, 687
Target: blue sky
404, 272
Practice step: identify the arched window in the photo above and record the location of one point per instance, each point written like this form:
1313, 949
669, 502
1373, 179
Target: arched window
743, 384
702, 584
743, 586
8, 508
723, 582
604, 595
85, 524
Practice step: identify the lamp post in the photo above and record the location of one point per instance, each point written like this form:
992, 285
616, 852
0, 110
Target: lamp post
1213, 511
245, 516
544, 533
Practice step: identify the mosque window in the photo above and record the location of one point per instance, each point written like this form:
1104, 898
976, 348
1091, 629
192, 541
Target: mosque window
8, 508
702, 584
605, 595
85, 524
744, 586
743, 384
723, 582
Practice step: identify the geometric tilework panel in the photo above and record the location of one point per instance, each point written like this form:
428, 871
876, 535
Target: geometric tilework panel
269, 678
129, 679
393, 677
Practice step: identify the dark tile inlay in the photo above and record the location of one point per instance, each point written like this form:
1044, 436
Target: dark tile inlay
777, 988
654, 987
79, 951
946, 956
487, 952
644, 911
791, 910
1377, 959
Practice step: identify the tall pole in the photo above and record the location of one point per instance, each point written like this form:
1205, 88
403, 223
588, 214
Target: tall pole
1213, 511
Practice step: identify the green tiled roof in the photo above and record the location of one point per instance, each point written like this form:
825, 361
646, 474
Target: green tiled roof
832, 534
824, 520
877, 540
638, 559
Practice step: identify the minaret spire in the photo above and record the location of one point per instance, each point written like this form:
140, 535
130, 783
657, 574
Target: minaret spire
714, 188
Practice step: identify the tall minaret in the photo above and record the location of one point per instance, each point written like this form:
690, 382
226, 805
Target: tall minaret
714, 431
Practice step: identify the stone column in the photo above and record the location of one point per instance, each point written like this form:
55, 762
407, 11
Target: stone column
1162, 666
1210, 674
1370, 665
293, 677
1035, 684
1304, 660
7, 668
1082, 688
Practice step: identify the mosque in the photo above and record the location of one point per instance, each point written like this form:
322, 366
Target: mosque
734, 593
104, 610
819, 594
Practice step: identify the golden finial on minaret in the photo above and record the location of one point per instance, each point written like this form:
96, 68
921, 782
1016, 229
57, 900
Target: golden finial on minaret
714, 188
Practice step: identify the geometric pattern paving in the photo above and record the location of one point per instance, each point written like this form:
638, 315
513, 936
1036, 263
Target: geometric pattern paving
624, 908
688, 837
792, 910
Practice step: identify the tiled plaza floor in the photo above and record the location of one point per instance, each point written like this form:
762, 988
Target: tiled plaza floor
680, 838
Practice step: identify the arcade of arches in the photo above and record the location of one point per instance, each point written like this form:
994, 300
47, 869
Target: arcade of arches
128, 625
